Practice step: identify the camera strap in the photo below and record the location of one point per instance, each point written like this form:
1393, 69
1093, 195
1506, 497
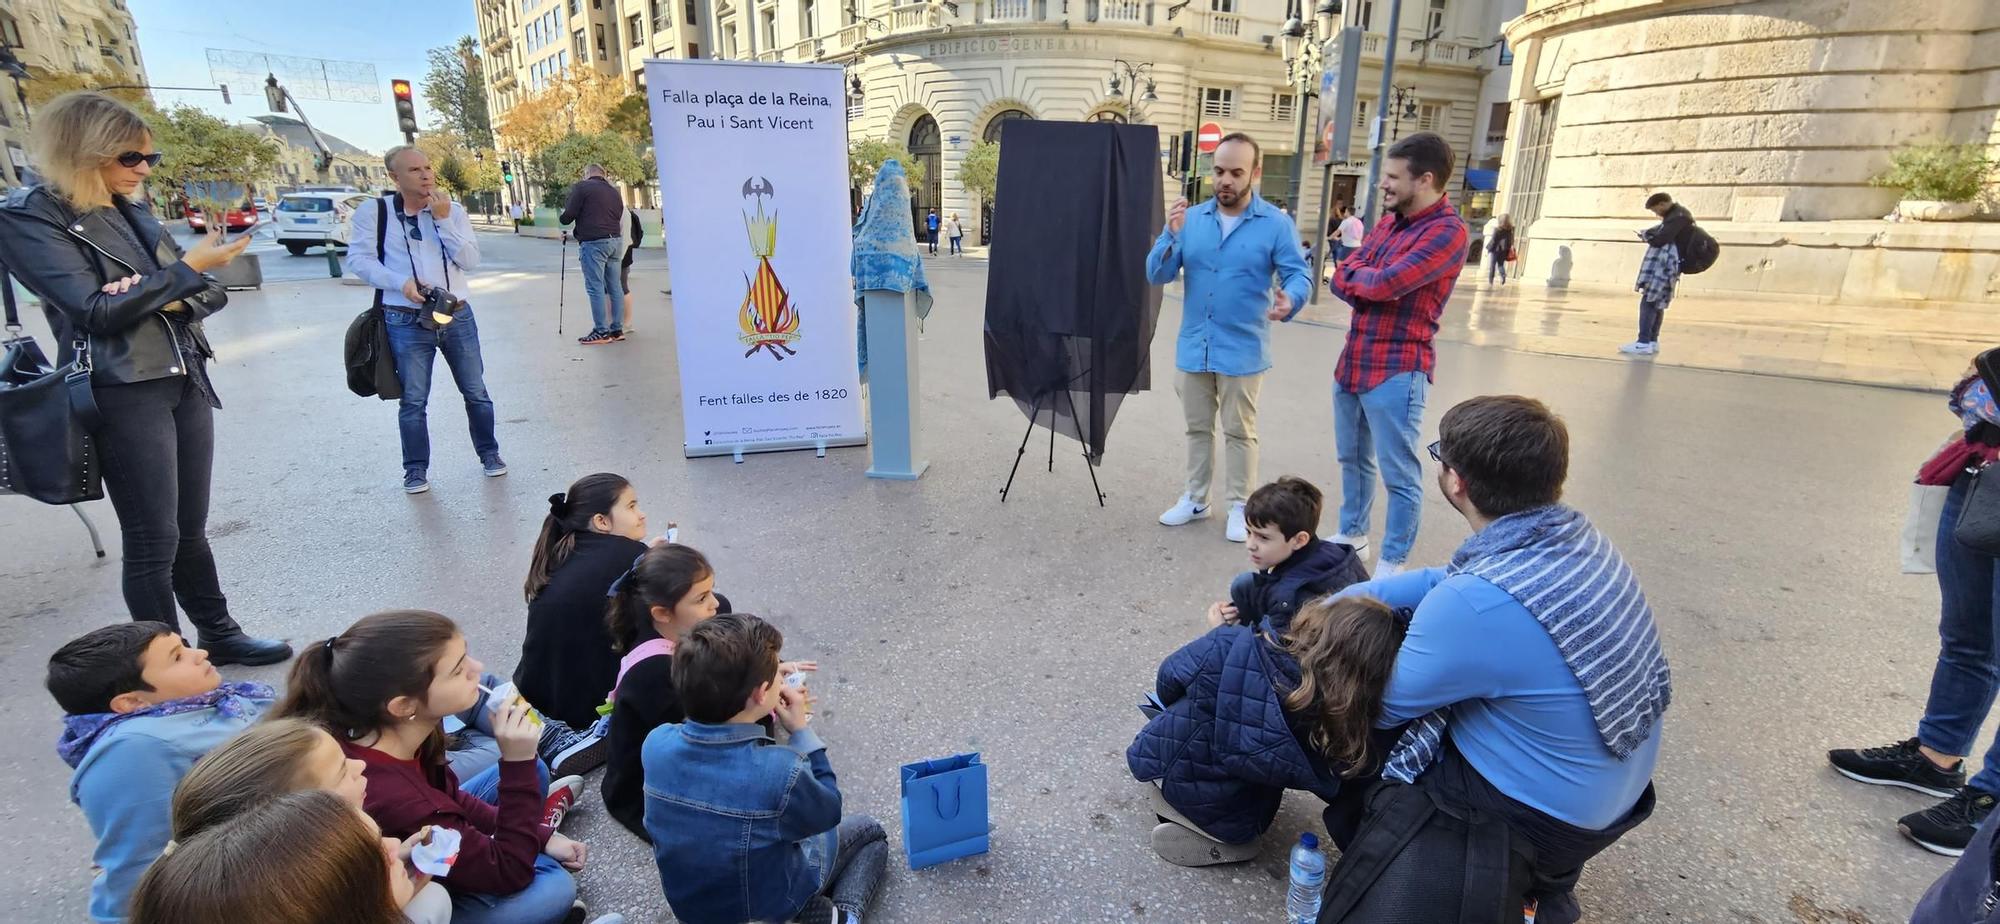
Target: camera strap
409, 250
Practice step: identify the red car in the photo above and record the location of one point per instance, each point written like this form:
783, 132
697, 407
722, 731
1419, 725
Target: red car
237, 219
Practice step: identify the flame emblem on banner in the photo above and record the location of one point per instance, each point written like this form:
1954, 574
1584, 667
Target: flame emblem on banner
767, 316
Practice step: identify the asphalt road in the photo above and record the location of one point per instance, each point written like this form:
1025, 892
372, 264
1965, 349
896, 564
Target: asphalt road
1761, 514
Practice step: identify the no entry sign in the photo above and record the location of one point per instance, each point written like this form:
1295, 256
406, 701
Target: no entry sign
1208, 138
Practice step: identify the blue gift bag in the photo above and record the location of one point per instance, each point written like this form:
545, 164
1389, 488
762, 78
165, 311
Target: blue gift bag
944, 809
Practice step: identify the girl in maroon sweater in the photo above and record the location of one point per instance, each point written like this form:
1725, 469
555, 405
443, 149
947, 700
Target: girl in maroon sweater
383, 688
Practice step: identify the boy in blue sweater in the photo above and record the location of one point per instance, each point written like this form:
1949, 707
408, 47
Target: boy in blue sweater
142, 708
1290, 565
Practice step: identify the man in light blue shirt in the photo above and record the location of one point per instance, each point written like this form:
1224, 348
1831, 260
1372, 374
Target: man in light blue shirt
1532, 677
427, 243
1232, 247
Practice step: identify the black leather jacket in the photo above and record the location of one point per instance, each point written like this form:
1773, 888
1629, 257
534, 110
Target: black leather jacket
66, 258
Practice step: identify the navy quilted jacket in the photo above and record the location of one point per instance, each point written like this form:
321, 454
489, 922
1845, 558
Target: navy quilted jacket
1272, 597
1225, 751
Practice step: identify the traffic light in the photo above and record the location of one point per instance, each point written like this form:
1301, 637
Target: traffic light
406, 110
507, 171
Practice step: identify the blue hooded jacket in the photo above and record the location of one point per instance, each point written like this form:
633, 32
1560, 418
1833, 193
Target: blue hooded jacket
1269, 599
1225, 750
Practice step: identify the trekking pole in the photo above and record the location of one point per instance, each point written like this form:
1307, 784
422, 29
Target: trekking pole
562, 284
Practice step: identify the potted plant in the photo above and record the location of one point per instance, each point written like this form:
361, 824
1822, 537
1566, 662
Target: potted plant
1940, 182
215, 165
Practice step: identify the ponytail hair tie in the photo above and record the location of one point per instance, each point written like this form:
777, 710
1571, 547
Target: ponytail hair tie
559, 506
618, 586
329, 643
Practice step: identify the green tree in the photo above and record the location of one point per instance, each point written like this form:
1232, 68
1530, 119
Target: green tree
211, 161
43, 85
864, 160
632, 118
979, 172
455, 88
563, 162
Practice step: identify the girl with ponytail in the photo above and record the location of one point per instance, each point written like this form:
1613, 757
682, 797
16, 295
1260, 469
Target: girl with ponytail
591, 535
383, 690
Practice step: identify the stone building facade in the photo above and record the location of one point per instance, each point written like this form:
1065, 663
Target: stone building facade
1767, 118
90, 37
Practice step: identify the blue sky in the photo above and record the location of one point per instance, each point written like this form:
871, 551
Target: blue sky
174, 36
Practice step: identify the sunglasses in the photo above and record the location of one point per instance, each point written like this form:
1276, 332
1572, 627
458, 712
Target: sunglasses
1437, 451
131, 159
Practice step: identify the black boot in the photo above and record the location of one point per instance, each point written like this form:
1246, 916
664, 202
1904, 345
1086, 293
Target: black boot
227, 643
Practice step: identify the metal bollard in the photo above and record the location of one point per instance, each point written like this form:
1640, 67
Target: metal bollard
333, 261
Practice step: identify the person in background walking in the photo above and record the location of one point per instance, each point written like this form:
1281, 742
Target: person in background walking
515, 211
1499, 248
1351, 232
599, 212
109, 275
956, 231
1398, 284
931, 229
635, 234
1659, 271
1967, 673
1231, 247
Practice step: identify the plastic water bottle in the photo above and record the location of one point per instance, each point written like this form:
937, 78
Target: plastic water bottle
1308, 881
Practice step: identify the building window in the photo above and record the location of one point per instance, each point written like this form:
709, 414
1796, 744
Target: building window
1434, 25
809, 19
10, 32
1284, 106
1222, 6
1531, 160
660, 15
1294, 9
639, 77
1218, 103
694, 51
600, 41
729, 42
576, 41
562, 61
1430, 117
573, 9
1361, 114
770, 30
1367, 15
693, 13
635, 26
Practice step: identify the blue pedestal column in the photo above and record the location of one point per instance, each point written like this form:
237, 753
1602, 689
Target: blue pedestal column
893, 393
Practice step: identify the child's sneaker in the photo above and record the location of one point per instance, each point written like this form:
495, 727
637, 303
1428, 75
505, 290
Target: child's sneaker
1183, 846
562, 795
822, 910
570, 752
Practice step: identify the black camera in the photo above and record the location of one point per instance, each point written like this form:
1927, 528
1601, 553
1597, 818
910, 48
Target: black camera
439, 307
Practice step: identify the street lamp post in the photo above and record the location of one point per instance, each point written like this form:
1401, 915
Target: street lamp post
1304, 61
1378, 137
1132, 73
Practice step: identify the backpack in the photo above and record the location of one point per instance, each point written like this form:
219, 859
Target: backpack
1698, 250
371, 364
646, 650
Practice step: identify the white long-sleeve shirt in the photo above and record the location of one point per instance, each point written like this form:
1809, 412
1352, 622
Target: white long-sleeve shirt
449, 240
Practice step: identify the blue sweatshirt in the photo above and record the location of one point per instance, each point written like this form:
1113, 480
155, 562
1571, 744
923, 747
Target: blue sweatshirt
1517, 712
125, 785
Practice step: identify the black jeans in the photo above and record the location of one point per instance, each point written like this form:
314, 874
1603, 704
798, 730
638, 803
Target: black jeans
157, 445
858, 864
1650, 316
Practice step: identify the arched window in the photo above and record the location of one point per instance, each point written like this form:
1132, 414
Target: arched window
992, 132
1107, 115
924, 147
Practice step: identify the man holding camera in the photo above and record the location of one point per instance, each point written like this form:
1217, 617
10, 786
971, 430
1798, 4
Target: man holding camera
414, 247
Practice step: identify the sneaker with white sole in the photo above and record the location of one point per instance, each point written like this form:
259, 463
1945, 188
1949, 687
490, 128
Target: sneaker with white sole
1184, 846
1238, 530
562, 795
494, 466
1184, 512
415, 482
570, 752
1390, 569
1358, 543
1635, 348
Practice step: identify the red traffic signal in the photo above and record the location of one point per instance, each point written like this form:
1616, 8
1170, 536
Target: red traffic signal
406, 110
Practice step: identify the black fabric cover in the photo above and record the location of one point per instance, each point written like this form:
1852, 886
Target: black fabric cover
1069, 314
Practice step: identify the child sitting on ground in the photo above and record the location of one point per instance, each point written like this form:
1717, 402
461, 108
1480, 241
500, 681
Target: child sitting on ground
142, 708
384, 687
279, 756
1290, 565
745, 829
1250, 713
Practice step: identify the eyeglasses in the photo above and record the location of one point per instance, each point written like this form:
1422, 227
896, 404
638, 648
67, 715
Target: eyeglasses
131, 159
1437, 451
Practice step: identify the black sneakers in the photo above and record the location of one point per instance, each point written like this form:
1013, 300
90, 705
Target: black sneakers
1948, 826
1898, 764
598, 337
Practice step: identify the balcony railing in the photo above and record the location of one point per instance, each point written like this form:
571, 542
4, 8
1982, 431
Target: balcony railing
1010, 10
913, 16
1226, 24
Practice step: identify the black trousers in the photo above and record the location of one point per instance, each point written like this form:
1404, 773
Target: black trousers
157, 444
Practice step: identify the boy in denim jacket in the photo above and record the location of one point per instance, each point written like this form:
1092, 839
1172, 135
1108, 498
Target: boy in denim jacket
745, 829
142, 708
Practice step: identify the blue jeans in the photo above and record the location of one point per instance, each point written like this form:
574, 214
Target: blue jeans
931, 237
415, 350
1968, 664
1496, 263
1391, 411
546, 900
602, 282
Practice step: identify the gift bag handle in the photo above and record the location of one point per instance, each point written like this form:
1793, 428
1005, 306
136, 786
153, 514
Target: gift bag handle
958, 804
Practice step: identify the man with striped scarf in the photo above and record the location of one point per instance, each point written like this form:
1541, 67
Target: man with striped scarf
1533, 686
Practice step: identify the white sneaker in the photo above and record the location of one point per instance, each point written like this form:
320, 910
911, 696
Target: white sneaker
1390, 569
1183, 513
1635, 348
1358, 543
1653, 349
1238, 531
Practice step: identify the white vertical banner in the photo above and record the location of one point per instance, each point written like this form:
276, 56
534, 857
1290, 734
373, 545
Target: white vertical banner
753, 188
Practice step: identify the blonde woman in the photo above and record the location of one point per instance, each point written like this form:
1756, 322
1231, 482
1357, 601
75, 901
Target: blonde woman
108, 275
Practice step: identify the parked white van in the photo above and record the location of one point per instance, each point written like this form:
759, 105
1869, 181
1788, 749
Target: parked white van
311, 218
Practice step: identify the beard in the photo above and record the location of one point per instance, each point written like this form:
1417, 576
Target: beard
1230, 197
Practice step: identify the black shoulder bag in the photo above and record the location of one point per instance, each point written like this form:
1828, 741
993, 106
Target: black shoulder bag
370, 363
1978, 526
47, 415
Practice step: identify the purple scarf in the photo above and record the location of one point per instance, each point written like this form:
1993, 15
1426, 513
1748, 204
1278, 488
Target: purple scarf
230, 700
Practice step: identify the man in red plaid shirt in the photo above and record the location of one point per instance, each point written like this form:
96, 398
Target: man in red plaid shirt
1397, 284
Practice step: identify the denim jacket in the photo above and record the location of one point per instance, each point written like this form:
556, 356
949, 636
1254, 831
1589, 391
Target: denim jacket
743, 829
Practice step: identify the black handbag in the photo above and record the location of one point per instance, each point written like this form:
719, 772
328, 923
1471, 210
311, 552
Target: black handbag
1978, 526
47, 417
